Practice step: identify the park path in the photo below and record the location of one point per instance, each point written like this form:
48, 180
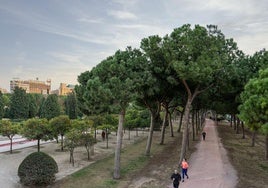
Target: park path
209, 164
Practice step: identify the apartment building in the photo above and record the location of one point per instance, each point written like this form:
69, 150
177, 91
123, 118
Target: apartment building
65, 89
31, 86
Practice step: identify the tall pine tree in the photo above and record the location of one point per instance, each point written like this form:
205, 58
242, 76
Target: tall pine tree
19, 104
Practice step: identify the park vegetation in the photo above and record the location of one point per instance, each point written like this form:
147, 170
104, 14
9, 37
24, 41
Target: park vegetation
180, 75
37, 169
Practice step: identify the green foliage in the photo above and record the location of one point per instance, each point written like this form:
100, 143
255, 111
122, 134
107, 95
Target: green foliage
37, 169
72, 139
50, 107
80, 91
71, 106
33, 106
254, 108
137, 118
8, 129
198, 54
19, 105
60, 125
81, 125
37, 129
61, 103
110, 121
6, 101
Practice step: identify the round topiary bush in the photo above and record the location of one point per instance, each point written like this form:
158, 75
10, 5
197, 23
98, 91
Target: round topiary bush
37, 168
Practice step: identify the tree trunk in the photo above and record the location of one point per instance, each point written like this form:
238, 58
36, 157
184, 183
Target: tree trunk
253, 138
171, 125
118, 145
181, 118
150, 135
243, 130
88, 153
231, 121
11, 145
61, 142
185, 128
72, 156
106, 135
237, 126
185, 136
235, 122
38, 145
266, 147
164, 123
193, 125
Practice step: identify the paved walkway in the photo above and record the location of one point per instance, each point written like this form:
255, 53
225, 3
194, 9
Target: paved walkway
209, 164
17, 143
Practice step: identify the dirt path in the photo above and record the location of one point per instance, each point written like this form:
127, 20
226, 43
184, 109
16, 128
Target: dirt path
209, 165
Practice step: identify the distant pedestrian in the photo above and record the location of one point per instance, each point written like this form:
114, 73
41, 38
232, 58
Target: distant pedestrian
176, 178
204, 135
103, 135
184, 167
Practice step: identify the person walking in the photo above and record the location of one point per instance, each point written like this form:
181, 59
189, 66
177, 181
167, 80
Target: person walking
176, 178
184, 167
204, 135
103, 135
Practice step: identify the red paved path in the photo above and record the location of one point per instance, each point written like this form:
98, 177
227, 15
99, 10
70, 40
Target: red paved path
209, 165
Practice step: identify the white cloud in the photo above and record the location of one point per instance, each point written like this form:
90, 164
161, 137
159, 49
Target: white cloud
90, 20
122, 15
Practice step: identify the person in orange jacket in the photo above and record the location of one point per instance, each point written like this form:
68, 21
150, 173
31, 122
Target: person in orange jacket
184, 167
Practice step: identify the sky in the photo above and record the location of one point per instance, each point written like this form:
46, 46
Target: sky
60, 39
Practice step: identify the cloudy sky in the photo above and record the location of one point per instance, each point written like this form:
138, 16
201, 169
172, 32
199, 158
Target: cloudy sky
60, 39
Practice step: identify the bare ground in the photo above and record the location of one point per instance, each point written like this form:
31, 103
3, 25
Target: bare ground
209, 165
9, 163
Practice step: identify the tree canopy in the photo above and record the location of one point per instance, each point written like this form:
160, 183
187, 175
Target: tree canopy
19, 104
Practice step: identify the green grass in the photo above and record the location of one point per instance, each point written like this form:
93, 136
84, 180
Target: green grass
134, 164
249, 162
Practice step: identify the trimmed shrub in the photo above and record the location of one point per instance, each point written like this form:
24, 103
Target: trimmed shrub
37, 168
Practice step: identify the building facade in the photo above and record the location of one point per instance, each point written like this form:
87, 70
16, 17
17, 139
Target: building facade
3, 90
65, 89
31, 86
